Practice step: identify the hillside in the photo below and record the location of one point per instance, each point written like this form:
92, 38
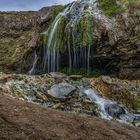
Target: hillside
21, 120
71, 72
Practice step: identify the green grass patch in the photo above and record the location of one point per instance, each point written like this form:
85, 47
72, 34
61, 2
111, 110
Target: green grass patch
136, 103
7, 49
82, 71
110, 7
55, 11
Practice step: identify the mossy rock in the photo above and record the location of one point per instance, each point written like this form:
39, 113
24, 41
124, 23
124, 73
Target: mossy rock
7, 49
136, 103
55, 11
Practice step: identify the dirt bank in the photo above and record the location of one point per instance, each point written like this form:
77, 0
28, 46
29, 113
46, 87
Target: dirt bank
24, 121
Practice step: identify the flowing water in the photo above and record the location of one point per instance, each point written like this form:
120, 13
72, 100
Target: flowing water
106, 109
72, 33
32, 70
110, 109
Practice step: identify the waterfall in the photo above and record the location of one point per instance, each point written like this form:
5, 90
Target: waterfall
71, 33
32, 70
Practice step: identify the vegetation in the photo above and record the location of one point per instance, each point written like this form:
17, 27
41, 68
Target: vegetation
6, 51
126, 98
110, 7
136, 103
55, 11
114, 7
86, 30
82, 71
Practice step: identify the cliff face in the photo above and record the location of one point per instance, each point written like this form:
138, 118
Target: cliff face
116, 38
118, 46
15, 23
18, 36
17, 29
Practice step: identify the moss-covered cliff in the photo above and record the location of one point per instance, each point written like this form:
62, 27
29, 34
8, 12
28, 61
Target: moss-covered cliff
115, 37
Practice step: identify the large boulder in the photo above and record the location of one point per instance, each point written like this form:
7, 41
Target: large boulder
61, 91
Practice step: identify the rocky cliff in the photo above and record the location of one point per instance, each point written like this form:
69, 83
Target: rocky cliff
115, 37
19, 33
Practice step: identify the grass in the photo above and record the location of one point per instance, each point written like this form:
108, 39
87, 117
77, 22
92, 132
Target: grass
130, 101
55, 11
82, 71
110, 7
6, 51
136, 103
114, 7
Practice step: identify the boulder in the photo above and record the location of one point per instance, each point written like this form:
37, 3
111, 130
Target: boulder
61, 91
114, 110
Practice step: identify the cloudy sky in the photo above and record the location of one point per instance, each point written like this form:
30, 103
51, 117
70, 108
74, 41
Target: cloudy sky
19, 5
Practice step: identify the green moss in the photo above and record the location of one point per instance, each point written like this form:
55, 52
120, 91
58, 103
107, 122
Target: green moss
136, 103
110, 7
7, 49
85, 30
132, 3
133, 39
55, 11
114, 7
59, 36
82, 71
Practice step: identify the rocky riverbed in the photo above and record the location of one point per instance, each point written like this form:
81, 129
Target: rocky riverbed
77, 94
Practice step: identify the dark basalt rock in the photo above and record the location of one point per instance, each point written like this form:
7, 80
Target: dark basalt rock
114, 110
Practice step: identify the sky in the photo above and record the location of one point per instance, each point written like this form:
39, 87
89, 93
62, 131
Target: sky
23, 5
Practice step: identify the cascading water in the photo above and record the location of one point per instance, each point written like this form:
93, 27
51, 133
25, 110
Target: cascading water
110, 109
32, 70
105, 108
71, 32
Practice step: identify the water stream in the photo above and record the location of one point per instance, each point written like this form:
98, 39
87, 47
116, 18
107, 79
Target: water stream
110, 109
32, 70
107, 109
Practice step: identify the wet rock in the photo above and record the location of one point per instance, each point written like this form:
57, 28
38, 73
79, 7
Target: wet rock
128, 117
61, 91
137, 123
114, 110
137, 120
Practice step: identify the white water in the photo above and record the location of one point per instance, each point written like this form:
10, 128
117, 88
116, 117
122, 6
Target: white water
103, 104
78, 57
69, 40
32, 70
